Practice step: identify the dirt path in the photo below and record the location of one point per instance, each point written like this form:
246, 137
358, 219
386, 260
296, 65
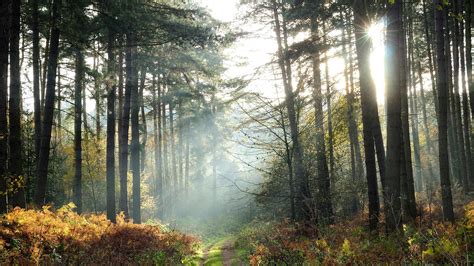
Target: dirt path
220, 253
206, 254
228, 253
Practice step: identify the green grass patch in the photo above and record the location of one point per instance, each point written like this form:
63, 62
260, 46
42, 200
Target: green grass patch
210, 255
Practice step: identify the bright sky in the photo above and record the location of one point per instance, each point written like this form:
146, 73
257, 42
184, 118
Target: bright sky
257, 50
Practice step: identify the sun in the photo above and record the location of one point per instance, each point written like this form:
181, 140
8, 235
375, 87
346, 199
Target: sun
376, 32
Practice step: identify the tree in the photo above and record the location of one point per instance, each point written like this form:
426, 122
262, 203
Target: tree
4, 43
123, 140
15, 162
324, 205
111, 97
43, 160
135, 143
407, 189
368, 102
36, 75
77, 188
303, 210
441, 83
394, 71
156, 92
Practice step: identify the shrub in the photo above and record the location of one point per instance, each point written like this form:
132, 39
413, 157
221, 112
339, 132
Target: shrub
64, 237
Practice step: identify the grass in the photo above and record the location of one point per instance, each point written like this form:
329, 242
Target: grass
211, 255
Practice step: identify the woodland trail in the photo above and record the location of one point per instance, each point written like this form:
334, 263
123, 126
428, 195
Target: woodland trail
220, 253
228, 253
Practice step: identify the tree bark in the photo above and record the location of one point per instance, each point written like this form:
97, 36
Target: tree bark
4, 43
442, 85
415, 132
408, 192
457, 100
187, 159
43, 160
36, 76
413, 104
426, 131
166, 181
368, 100
357, 168
173, 171
454, 149
157, 139
430, 55
135, 143
468, 19
394, 72
302, 204
143, 126
77, 188
465, 102
329, 111
15, 162
110, 153
323, 204
123, 202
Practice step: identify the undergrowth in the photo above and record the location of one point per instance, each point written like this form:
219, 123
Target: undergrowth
64, 237
349, 242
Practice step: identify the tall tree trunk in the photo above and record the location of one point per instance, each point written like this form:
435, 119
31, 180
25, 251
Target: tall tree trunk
123, 202
457, 101
357, 167
135, 143
465, 102
4, 43
36, 76
166, 175
350, 122
426, 131
186, 159
415, 134
180, 145
408, 191
323, 181
442, 85
452, 121
110, 156
157, 139
214, 150
468, 19
15, 163
302, 204
43, 160
120, 89
173, 171
329, 111
45, 67
289, 163
84, 115
58, 115
414, 111
357, 149
428, 39
77, 188
394, 72
143, 126
368, 100
97, 92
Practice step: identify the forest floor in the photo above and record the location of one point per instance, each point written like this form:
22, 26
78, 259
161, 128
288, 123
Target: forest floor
220, 253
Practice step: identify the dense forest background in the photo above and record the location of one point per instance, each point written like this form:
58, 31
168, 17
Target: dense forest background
288, 122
